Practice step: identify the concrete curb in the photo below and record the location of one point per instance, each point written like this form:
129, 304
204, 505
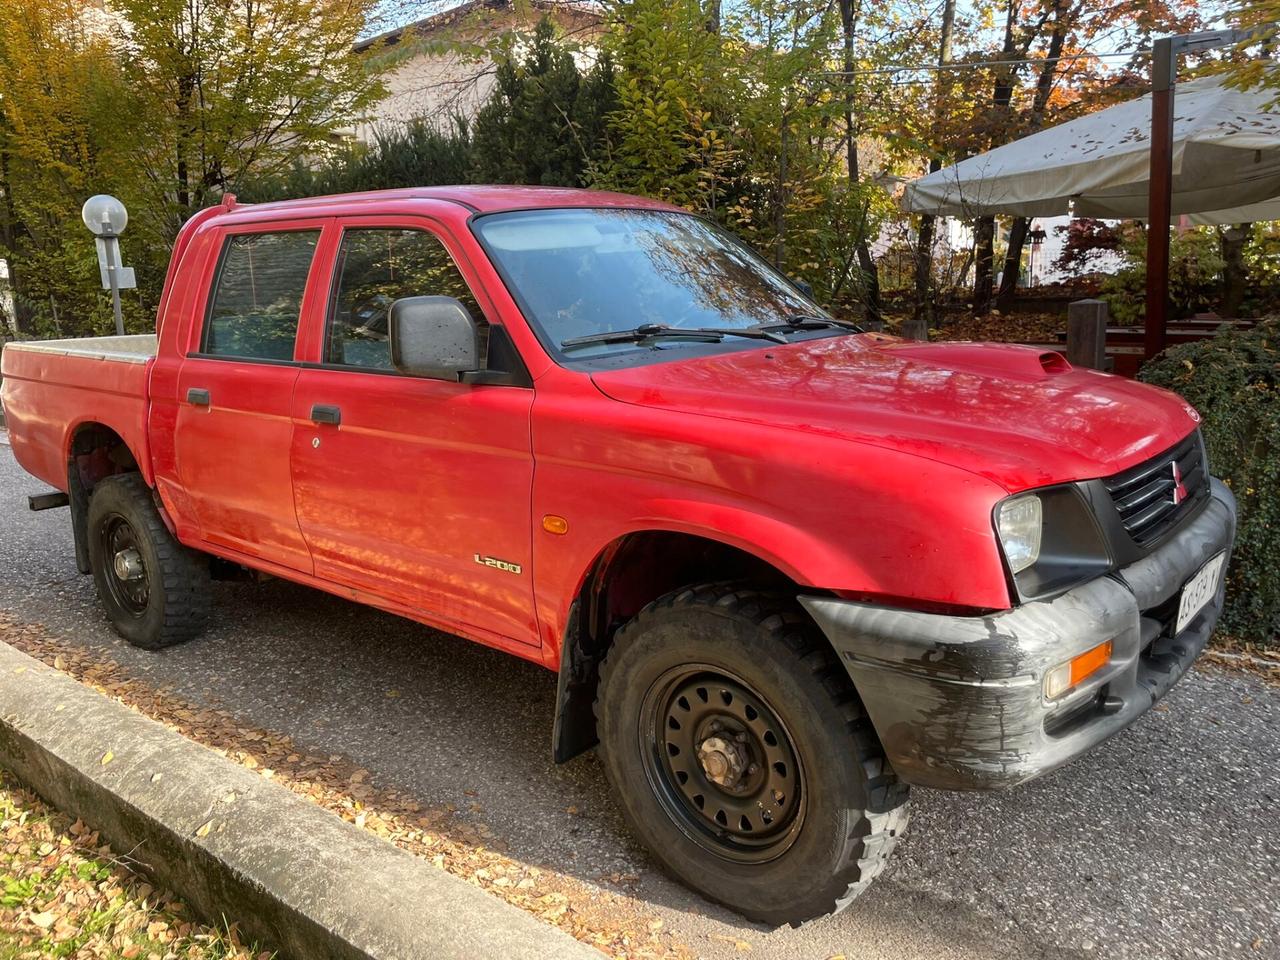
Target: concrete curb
233, 844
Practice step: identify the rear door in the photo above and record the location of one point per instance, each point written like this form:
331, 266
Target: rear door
235, 387
414, 489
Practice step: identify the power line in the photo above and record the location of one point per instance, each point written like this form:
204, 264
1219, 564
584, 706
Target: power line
967, 64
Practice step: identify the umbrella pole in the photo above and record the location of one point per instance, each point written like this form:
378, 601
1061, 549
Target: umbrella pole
1160, 200
1164, 75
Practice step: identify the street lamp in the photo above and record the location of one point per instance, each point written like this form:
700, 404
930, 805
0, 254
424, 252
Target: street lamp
1037, 237
106, 218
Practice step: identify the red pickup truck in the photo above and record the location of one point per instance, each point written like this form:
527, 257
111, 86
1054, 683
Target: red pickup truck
783, 568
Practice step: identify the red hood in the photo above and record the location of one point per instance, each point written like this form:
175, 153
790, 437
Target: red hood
1016, 415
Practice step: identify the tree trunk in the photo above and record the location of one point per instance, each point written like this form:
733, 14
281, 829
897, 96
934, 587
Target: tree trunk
10, 229
1234, 286
984, 230
867, 266
984, 239
1012, 271
1044, 87
713, 16
780, 202
924, 306
186, 131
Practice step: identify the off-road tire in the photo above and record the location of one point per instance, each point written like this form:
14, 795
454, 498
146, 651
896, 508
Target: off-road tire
176, 606
854, 807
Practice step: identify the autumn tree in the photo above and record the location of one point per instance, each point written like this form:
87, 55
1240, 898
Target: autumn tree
61, 129
224, 89
1262, 17
166, 104
924, 305
668, 133
1044, 73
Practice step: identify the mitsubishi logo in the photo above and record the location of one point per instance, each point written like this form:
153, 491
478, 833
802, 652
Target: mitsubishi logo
1179, 488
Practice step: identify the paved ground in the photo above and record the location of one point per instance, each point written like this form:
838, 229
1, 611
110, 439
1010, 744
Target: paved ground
1164, 843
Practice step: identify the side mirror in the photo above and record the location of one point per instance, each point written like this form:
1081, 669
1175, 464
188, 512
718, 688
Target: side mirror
804, 286
433, 337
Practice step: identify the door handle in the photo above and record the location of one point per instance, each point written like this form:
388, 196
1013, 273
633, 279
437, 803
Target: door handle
324, 413
198, 396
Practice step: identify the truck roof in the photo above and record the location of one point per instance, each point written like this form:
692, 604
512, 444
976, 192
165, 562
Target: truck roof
479, 198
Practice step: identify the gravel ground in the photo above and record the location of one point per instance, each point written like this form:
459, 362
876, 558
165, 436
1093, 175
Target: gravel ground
1164, 842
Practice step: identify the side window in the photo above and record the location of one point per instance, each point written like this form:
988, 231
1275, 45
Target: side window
376, 267
258, 295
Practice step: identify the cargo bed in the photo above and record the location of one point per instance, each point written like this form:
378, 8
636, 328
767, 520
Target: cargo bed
54, 387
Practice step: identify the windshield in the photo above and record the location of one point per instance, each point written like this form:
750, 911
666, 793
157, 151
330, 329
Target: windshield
583, 272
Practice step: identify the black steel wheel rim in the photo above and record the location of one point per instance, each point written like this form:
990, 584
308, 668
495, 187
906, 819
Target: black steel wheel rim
128, 579
722, 764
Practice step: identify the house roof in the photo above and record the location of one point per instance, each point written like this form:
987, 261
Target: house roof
456, 15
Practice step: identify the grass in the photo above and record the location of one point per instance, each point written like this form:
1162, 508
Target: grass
63, 893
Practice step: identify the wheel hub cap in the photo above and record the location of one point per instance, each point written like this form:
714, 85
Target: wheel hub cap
128, 564
723, 761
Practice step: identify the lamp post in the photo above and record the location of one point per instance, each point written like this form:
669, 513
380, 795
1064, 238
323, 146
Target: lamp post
1037, 238
106, 218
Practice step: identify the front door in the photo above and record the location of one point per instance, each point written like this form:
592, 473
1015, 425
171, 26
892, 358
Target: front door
233, 433
417, 490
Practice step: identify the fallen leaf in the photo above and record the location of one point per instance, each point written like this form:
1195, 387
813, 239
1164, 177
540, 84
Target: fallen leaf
203, 831
107, 757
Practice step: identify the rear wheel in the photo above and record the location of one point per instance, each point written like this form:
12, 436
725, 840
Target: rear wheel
155, 590
741, 755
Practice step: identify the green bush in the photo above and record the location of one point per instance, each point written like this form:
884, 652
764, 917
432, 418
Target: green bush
1195, 268
420, 153
1234, 381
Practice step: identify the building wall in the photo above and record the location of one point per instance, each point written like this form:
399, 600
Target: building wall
432, 83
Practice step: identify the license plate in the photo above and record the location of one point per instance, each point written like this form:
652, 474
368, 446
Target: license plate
1198, 591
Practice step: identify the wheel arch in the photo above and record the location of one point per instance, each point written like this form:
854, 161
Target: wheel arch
94, 451
626, 574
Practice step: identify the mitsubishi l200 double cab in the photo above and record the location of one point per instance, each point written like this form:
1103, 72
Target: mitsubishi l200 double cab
784, 569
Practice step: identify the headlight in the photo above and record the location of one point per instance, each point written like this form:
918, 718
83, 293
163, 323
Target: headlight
1051, 540
1020, 522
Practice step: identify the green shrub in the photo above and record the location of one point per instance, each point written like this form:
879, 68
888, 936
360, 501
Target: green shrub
1195, 268
1234, 381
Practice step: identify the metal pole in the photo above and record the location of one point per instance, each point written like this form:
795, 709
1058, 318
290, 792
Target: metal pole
112, 244
1160, 200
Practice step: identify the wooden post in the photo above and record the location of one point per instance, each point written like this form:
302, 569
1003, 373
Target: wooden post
1087, 334
1164, 68
915, 328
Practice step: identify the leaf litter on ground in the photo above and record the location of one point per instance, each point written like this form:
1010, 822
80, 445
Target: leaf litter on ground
608, 919
63, 893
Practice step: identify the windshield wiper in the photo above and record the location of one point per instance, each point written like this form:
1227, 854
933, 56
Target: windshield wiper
804, 321
649, 331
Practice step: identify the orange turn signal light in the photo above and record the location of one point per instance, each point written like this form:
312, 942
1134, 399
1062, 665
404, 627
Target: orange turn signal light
1067, 676
553, 524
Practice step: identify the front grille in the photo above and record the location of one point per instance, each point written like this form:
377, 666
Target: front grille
1144, 496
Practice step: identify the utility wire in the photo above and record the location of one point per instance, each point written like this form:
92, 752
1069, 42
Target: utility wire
965, 64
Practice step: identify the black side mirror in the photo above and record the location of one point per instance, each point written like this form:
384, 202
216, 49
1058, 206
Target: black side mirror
433, 337
804, 286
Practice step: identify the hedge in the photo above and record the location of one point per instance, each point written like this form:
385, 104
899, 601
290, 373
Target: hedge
1234, 381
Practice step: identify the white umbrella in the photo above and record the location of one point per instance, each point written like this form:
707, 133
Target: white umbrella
1226, 164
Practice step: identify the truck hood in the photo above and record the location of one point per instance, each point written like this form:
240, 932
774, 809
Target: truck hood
1019, 416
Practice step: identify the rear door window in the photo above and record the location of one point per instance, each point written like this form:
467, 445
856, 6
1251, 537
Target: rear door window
257, 298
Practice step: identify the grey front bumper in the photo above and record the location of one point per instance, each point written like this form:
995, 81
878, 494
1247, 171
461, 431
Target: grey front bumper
958, 701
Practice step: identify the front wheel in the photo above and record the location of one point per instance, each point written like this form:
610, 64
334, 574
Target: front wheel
155, 590
742, 757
